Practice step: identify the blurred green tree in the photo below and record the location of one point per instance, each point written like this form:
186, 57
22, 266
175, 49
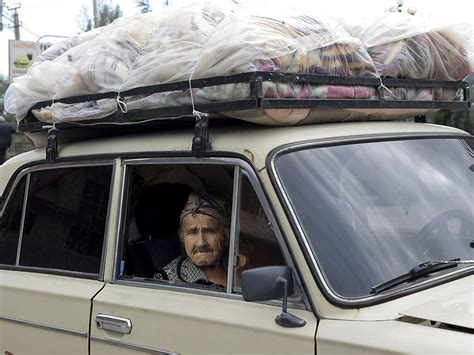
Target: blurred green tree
107, 12
144, 6
460, 119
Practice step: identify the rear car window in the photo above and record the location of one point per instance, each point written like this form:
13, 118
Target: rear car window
65, 219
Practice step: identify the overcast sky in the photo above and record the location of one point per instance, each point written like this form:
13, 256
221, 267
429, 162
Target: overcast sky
60, 17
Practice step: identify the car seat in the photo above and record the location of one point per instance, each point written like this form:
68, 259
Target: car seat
157, 217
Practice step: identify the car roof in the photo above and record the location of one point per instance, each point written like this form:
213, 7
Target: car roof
252, 141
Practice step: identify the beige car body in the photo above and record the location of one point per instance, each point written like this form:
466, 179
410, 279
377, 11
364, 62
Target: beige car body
54, 314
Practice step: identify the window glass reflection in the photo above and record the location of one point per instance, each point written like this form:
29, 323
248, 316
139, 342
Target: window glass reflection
373, 211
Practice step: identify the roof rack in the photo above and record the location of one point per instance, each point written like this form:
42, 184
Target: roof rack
255, 101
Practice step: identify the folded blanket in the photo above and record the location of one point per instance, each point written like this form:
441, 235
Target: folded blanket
295, 44
409, 58
434, 55
449, 56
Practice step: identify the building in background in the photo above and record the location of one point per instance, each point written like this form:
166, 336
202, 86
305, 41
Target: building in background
21, 55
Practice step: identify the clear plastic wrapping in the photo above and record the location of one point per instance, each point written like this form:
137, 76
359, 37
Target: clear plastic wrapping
415, 47
217, 39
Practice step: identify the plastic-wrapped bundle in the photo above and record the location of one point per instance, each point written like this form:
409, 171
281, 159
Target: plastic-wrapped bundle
449, 55
176, 45
131, 52
292, 44
206, 40
93, 62
243, 42
434, 55
408, 58
412, 47
403, 46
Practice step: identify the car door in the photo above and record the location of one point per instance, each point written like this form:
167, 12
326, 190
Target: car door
138, 313
51, 243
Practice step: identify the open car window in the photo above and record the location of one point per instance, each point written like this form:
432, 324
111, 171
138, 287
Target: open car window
155, 197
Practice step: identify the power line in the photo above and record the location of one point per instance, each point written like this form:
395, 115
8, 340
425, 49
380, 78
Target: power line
30, 32
22, 26
9, 19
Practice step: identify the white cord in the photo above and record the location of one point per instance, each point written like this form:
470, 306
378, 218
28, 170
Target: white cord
199, 115
121, 104
382, 86
120, 123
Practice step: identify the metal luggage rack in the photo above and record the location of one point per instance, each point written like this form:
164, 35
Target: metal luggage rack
256, 101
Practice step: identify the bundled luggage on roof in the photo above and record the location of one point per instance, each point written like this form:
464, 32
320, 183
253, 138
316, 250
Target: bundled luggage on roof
228, 61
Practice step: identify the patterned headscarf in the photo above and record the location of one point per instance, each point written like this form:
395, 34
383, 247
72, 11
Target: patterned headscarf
209, 205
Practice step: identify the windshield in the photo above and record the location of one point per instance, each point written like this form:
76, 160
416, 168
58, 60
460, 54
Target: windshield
372, 211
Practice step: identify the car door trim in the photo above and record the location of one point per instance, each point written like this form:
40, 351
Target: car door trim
41, 166
22, 221
116, 169
132, 346
234, 227
145, 283
44, 326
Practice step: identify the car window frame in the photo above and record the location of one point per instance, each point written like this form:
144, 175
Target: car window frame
315, 268
241, 168
26, 172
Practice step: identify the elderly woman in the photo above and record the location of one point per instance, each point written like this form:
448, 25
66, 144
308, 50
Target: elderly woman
204, 235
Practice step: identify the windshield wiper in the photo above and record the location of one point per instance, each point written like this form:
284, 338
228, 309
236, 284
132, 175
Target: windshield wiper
419, 271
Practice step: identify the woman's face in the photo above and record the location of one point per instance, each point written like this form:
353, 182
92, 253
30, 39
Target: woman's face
203, 239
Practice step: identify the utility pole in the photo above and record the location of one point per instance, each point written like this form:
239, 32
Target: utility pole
96, 17
16, 22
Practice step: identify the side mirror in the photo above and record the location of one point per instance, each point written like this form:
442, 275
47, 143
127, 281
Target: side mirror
270, 283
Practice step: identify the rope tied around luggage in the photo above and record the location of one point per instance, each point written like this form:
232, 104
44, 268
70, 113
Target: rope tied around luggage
381, 88
121, 104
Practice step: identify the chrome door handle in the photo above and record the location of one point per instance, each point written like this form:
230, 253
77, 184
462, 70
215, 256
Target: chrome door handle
114, 324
